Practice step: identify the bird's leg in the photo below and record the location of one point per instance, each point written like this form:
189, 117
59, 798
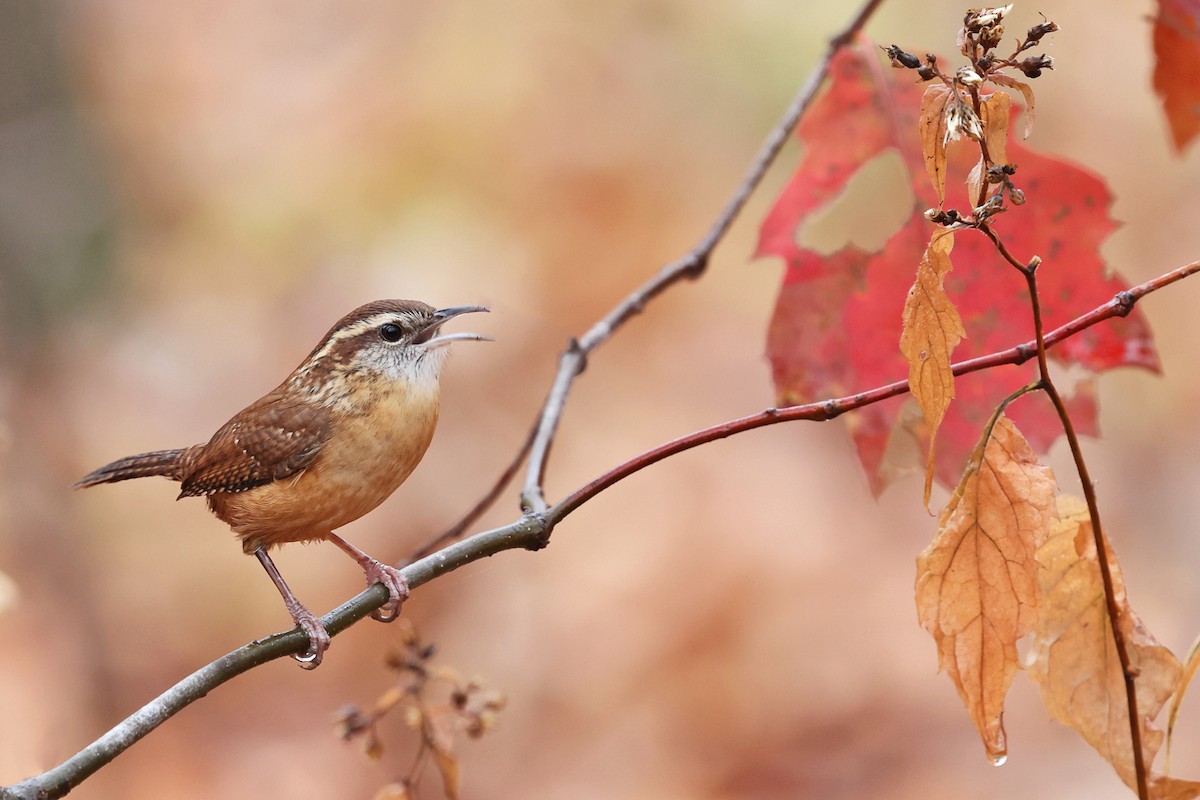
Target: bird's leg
378, 572
318, 637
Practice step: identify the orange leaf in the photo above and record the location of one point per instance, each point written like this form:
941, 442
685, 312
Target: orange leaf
1177, 67
931, 331
1000, 79
934, 135
393, 791
1164, 788
1190, 665
994, 114
439, 736
977, 591
1073, 657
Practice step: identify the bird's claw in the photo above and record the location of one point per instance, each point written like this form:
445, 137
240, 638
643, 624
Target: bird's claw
318, 637
393, 581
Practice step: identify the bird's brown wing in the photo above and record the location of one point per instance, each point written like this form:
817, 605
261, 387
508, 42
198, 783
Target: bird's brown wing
270, 440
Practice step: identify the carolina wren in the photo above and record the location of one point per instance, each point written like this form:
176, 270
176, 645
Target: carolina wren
327, 445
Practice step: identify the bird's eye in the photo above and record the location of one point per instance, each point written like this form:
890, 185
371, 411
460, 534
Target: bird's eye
390, 332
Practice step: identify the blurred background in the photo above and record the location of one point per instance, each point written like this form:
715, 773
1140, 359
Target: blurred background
192, 192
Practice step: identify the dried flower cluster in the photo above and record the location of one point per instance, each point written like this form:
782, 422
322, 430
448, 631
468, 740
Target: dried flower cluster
435, 703
957, 108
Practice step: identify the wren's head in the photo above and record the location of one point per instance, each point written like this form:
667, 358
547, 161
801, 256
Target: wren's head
394, 340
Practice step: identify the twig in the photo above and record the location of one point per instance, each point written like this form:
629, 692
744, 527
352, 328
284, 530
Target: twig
527, 532
459, 528
1119, 306
573, 361
1089, 494
530, 532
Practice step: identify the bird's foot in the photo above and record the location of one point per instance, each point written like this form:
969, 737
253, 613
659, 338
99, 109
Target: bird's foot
378, 572
310, 623
318, 637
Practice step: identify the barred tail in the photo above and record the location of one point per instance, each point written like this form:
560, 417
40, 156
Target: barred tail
160, 462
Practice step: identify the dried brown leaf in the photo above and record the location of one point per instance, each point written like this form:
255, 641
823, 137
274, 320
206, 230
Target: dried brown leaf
8, 593
439, 736
372, 746
1000, 79
994, 113
1073, 656
934, 134
977, 590
393, 791
1164, 788
389, 699
1190, 665
931, 330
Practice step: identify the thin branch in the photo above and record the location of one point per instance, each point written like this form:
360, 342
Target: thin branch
530, 532
1089, 494
1120, 306
527, 532
691, 266
459, 529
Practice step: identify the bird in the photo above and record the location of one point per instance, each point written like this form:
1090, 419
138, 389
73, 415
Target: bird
330, 443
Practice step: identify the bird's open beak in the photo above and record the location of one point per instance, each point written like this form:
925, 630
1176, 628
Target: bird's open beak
430, 337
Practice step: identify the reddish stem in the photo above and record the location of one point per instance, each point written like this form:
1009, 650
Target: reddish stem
1119, 306
1089, 494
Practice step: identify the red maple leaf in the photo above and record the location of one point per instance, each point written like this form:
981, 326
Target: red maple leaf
1177, 66
837, 321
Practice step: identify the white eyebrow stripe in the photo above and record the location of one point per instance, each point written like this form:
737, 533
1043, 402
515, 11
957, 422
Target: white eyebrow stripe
357, 329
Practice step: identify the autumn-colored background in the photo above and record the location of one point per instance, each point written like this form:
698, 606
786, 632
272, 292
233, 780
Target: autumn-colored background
190, 193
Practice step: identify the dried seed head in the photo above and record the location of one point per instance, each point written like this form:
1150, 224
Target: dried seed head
968, 77
979, 18
1035, 34
901, 59
1033, 66
961, 120
985, 26
994, 205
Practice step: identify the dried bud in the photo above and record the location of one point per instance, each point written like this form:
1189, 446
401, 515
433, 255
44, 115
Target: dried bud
985, 62
1033, 66
995, 173
349, 722
926, 72
994, 205
967, 77
901, 59
948, 218
1036, 33
1017, 197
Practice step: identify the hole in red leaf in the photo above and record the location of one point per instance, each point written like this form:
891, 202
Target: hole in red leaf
876, 203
